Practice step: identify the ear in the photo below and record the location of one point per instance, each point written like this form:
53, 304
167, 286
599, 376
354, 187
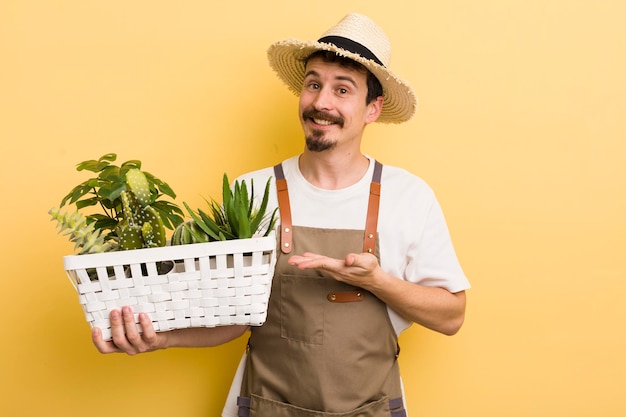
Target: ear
374, 109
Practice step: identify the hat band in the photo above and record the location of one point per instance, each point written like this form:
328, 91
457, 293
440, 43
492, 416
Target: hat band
351, 46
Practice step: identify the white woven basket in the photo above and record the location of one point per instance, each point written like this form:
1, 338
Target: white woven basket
211, 284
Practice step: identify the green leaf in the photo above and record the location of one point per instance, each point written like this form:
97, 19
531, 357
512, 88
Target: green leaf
111, 173
199, 220
96, 166
213, 229
226, 191
105, 223
108, 157
133, 163
109, 193
160, 185
259, 214
195, 234
76, 193
116, 190
127, 166
272, 222
93, 166
218, 213
171, 214
244, 221
86, 203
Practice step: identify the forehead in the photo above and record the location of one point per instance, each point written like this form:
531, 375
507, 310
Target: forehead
320, 67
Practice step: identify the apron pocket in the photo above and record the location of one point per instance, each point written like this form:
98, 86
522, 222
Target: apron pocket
264, 407
302, 308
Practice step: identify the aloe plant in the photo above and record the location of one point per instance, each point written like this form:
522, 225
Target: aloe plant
238, 217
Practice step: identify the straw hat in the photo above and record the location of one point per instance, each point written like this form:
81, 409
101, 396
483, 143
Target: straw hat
356, 37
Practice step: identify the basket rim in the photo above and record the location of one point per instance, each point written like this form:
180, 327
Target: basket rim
193, 250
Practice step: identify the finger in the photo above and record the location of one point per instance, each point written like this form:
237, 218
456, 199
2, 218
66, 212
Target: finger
118, 332
311, 255
307, 262
149, 336
352, 259
362, 260
102, 345
130, 328
296, 260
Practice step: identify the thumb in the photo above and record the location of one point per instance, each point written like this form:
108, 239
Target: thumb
352, 259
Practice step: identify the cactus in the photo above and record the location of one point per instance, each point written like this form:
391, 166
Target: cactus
87, 239
142, 226
137, 182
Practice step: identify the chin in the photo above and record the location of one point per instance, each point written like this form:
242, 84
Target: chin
314, 144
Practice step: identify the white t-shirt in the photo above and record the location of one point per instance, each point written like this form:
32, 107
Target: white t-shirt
414, 241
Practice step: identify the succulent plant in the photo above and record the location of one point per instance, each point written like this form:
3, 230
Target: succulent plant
86, 237
236, 218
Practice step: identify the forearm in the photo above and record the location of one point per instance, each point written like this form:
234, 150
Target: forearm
432, 307
204, 336
126, 338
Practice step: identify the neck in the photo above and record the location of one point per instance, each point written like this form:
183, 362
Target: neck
330, 171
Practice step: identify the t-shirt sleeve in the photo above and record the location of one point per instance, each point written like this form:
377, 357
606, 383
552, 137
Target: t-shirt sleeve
433, 261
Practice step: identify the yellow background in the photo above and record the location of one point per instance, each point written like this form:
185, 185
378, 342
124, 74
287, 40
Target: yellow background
520, 131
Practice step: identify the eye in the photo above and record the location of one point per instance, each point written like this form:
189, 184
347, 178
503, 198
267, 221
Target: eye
342, 91
314, 86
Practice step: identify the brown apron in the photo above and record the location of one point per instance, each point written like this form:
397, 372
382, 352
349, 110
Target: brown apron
326, 348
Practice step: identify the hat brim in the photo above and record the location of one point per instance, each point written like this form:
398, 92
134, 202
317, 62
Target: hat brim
287, 59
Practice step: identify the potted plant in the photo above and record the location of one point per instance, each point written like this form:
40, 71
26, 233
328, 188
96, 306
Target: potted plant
219, 264
133, 214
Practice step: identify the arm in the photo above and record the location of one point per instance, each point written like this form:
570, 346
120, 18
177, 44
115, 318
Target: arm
126, 338
432, 307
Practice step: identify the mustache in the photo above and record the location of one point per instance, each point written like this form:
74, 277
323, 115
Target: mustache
316, 114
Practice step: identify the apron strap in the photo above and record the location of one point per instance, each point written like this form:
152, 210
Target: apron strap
243, 403
371, 222
285, 209
396, 405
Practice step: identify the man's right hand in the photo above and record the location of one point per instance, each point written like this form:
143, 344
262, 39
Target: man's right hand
125, 336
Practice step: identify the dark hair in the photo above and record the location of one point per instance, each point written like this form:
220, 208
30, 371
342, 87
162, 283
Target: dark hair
374, 88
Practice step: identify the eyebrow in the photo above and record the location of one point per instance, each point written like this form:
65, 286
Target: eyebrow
340, 77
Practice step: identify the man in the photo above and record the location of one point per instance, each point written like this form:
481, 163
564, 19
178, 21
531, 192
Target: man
364, 249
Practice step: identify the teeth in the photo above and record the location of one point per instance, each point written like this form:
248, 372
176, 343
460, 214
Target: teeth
322, 122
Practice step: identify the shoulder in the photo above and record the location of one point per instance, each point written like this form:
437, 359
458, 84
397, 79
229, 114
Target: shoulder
398, 183
260, 174
264, 174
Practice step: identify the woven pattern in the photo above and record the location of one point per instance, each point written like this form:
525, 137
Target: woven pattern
199, 285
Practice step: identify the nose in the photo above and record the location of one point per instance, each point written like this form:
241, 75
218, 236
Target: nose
323, 99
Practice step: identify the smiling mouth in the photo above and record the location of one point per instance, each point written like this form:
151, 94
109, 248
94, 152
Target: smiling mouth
322, 122
321, 118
